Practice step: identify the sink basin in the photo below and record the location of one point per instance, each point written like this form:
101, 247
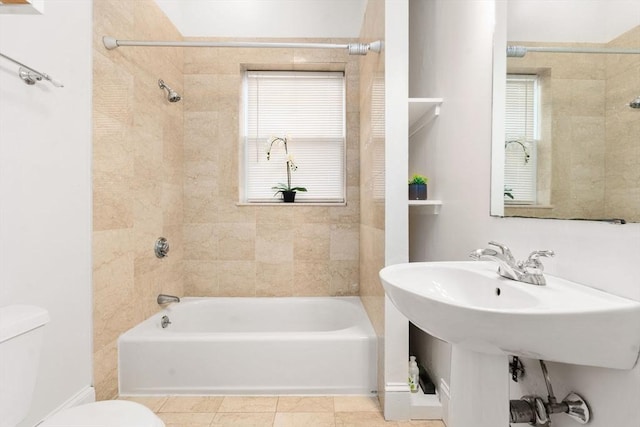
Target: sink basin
468, 304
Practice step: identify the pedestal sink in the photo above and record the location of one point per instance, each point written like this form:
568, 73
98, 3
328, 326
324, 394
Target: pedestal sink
487, 317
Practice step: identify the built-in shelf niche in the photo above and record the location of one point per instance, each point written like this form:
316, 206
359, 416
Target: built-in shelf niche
21, 7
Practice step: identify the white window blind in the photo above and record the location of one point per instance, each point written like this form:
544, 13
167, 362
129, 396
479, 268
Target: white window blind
521, 133
309, 109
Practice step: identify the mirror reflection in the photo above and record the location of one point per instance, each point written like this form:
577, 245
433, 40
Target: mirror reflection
572, 110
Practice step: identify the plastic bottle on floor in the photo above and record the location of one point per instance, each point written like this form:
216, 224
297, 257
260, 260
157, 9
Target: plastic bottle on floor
414, 374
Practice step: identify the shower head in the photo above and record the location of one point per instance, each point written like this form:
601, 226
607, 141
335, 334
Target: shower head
635, 103
172, 95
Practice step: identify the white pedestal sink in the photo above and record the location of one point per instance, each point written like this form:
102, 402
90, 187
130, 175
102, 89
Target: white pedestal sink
487, 317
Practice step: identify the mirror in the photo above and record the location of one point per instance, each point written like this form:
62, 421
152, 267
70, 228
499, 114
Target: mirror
566, 119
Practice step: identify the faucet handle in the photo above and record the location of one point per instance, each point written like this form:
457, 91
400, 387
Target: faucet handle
504, 249
534, 259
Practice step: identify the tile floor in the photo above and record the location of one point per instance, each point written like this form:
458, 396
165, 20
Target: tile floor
283, 411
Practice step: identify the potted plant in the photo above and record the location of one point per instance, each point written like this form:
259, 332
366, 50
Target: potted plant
418, 187
288, 192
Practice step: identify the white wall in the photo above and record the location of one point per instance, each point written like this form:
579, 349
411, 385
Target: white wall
266, 18
593, 21
45, 190
457, 157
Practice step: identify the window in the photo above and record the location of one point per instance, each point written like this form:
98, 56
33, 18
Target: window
309, 109
521, 137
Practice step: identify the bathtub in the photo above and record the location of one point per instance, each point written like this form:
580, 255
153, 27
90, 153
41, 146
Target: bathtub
251, 346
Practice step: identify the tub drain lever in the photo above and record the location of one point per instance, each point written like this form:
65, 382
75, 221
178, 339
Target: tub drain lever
164, 322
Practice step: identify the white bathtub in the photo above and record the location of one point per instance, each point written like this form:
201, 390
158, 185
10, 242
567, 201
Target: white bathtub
251, 346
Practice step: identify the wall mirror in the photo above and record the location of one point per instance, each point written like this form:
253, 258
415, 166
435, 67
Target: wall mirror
566, 119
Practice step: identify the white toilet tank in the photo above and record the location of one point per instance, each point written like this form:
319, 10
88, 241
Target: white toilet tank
21, 333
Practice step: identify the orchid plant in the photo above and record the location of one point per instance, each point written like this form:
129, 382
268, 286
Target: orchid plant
291, 166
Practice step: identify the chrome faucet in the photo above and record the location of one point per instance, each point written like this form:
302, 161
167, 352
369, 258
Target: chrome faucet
166, 299
529, 271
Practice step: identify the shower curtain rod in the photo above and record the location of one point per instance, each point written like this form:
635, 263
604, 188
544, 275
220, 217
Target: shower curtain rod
353, 48
30, 75
515, 51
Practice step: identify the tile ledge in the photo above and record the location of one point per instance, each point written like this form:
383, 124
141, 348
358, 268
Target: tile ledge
291, 204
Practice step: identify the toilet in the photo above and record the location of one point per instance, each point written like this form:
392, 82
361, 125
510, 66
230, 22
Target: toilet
21, 336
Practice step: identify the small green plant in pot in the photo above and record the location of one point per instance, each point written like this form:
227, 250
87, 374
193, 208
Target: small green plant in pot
418, 187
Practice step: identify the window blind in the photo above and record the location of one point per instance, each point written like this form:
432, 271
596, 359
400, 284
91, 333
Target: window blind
521, 132
308, 108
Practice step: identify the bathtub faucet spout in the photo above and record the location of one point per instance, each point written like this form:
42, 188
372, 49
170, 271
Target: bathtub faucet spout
166, 299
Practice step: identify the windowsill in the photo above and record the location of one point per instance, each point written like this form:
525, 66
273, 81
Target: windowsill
290, 204
509, 206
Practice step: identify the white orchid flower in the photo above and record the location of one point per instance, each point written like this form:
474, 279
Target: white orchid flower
291, 161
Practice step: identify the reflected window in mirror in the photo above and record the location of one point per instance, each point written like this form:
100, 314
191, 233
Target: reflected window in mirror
522, 124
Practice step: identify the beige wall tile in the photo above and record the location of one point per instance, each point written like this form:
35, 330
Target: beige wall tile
200, 136
236, 241
200, 202
311, 278
105, 371
137, 176
113, 267
274, 243
201, 92
280, 215
281, 234
312, 242
200, 242
345, 277
201, 278
236, 278
371, 182
345, 242
113, 202
274, 279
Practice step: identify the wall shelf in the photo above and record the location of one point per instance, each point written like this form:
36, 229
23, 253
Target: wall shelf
421, 111
21, 7
425, 207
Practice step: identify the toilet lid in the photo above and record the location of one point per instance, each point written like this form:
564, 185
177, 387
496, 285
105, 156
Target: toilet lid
108, 413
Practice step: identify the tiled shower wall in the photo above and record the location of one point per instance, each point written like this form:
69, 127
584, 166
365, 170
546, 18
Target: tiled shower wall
622, 195
171, 169
265, 251
137, 176
594, 171
372, 160
570, 166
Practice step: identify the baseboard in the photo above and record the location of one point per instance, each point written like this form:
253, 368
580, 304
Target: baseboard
397, 405
86, 395
425, 406
445, 396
